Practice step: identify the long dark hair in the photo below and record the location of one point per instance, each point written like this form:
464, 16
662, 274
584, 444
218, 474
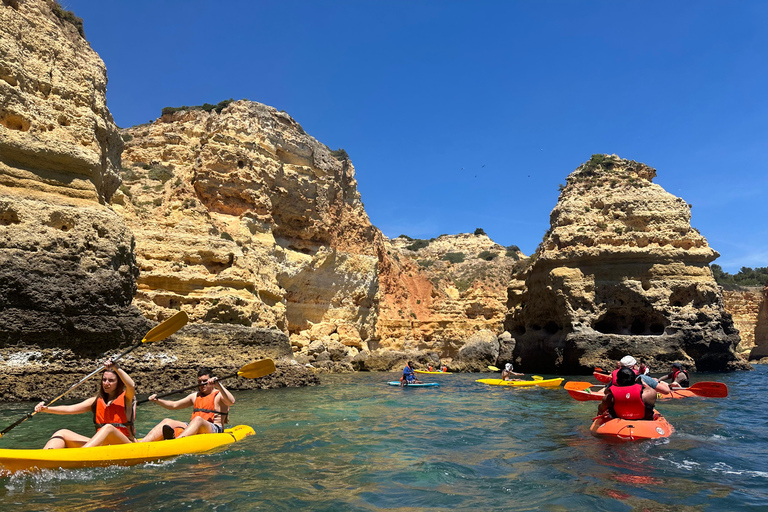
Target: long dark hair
120, 386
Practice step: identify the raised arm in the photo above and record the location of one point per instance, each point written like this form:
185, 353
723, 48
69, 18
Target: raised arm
130, 386
226, 396
173, 405
80, 408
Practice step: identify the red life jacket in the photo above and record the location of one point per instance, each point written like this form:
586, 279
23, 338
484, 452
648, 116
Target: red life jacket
113, 414
615, 372
628, 402
675, 373
205, 407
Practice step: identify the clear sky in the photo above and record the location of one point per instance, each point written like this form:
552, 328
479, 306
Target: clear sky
468, 114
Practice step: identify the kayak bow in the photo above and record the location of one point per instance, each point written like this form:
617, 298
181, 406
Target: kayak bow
544, 383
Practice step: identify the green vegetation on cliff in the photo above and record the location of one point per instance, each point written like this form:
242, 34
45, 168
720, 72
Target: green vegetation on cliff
745, 277
205, 106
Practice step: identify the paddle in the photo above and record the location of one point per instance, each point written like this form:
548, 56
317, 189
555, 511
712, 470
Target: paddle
157, 333
578, 386
707, 389
252, 370
537, 377
493, 368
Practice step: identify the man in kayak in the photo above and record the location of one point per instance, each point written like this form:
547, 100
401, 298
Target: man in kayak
632, 397
507, 373
409, 376
678, 377
211, 404
113, 420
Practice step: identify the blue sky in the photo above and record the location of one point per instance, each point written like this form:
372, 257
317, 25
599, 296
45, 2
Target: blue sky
467, 114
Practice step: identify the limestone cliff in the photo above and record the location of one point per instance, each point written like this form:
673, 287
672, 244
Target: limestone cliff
67, 270
744, 307
620, 271
441, 291
242, 218
760, 350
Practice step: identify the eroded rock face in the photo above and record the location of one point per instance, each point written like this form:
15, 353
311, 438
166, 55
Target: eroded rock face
437, 294
760, 350
67, 270
620, 272
744, 307
242, 218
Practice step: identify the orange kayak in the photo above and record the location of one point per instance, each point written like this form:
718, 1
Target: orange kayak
631, 430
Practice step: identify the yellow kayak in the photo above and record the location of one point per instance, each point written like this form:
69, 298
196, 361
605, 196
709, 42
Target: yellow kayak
12, 460
433, 373
545, 383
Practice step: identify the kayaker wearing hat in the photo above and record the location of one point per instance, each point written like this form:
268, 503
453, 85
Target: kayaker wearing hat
507, 373
631, 397
625, 362
113, 420
211, 404
678, 377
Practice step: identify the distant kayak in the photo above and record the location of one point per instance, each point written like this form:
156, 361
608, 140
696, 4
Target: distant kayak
602, 377
433, 373
631, 430
544, 383
422, 385
12, 460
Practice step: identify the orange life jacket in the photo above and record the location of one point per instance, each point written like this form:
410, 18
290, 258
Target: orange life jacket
113, 414
628, 403
205, 407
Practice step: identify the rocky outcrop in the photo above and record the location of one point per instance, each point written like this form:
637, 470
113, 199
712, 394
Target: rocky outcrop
436, 294
242, 218
620, 271
744, 307
760, 350
67, 270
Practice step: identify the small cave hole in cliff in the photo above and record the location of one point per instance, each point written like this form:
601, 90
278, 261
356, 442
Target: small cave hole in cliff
240, 164
647, 323
551, 327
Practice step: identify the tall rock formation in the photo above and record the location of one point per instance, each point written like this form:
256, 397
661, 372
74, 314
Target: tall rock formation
242, 218
620, 271
760, 350
744, 307
67, 270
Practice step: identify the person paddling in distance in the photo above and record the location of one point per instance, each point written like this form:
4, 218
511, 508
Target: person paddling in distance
409, 377
631, 397
678, 377
114, 421
211, 403
507, 373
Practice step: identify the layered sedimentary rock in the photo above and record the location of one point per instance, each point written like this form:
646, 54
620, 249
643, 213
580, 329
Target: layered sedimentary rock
242, 218
621, 271
441, 291
744, 307
67, 270
760, 350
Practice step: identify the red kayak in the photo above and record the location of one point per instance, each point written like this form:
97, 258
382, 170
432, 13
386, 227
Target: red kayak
602, 377
631, 430
588, 396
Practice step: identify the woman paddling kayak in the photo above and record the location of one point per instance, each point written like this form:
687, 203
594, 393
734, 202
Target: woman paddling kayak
113, 420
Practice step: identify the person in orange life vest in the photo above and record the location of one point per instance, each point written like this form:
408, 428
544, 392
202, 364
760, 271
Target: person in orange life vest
678, 377
632, 397
211, 403
113, 420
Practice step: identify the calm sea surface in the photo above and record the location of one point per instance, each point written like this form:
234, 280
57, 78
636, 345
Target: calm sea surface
355, 443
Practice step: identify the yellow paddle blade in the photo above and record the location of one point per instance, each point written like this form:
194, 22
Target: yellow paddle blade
537, 377
257, 369
493, 368
167, 327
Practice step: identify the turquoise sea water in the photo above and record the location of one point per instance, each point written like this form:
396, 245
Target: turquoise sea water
354, 443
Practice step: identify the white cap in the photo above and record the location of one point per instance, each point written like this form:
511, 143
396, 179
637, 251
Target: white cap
508, 367
628, 361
